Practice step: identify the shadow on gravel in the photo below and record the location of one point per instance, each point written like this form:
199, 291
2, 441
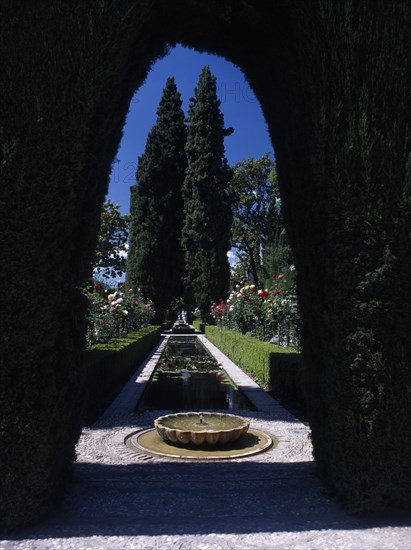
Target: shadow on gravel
176, 498
277, 413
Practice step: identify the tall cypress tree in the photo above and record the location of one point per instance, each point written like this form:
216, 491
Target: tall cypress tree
155, 261
207, 210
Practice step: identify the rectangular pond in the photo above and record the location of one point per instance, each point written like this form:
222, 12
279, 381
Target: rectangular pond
188, 377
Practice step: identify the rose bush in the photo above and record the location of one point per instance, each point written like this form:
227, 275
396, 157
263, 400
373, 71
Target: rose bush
264, 313
112, 314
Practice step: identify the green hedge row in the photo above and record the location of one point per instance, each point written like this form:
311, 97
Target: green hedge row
288, 381
342, 149
275, 368
247, 352
109, 366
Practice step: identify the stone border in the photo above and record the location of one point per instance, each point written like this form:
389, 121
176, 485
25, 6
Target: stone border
127, 400
136, 443
293, 441
258, 397
107, 440
283, 506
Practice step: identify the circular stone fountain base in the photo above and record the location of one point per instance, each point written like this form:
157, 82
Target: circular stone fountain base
149, 442
201, 428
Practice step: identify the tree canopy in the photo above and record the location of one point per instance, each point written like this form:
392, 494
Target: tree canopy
256, 210
207, 209
155, 262
111, 252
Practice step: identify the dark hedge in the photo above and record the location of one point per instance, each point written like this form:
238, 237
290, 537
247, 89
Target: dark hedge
356, 299
288, 380
333, 78
109, 366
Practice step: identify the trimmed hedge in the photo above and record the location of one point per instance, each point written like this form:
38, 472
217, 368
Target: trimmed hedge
246, 351
288, 381
338, 117
275, 368
109, 366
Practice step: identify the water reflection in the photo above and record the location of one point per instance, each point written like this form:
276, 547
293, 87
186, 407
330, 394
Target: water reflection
187, 377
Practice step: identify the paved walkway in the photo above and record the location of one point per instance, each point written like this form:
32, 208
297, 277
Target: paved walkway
123, 500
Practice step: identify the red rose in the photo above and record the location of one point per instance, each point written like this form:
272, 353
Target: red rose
97, 287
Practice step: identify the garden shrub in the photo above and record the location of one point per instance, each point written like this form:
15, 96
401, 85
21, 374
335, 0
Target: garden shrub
334, 81
109, 366
279, 370
262, 312
115, 313
275, 368
288, 379
354, 222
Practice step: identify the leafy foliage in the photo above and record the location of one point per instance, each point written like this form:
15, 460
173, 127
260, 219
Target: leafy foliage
246, 351
262, 313
110, 258
338, 115
207, 211
155, 261
115, 314
112, 364
355, 216
199, 363
279, 370
256, 209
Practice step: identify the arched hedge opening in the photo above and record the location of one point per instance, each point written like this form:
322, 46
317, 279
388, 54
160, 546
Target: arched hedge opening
333, 82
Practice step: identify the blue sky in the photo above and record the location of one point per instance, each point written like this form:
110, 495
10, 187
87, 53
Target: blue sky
239, 105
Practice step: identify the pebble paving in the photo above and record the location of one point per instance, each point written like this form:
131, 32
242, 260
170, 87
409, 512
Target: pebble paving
120, 499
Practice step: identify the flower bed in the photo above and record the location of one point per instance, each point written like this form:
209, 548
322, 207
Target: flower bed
114, 314
263, 313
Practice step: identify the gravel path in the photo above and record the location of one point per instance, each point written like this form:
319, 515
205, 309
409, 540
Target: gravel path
120, 499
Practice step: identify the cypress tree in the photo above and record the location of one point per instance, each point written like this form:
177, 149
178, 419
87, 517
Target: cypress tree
155, 259
207, 210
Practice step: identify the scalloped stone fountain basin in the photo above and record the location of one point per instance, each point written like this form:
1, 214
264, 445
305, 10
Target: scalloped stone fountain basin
201, 428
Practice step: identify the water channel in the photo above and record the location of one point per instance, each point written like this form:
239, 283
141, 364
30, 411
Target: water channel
188, 377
